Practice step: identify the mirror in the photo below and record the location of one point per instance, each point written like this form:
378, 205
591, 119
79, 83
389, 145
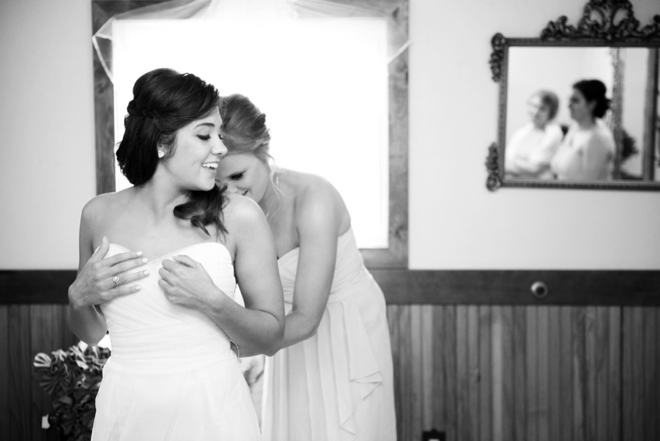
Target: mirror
579, 106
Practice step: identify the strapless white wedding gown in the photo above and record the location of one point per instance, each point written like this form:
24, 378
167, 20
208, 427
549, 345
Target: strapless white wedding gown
172, 374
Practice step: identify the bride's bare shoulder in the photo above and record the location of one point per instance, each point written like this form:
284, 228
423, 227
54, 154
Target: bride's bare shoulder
104, 204
239, 209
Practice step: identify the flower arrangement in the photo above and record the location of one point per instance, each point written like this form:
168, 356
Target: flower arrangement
72, 378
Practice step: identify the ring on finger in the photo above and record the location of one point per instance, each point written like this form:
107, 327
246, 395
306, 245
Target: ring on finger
116, 280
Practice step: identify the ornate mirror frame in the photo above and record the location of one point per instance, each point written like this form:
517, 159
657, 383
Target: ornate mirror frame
604, 23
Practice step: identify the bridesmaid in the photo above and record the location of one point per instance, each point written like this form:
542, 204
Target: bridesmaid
333, 378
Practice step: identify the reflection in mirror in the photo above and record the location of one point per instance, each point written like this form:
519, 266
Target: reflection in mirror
551, 129
579, 105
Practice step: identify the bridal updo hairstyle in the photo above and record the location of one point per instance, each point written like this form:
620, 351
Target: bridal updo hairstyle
594, 91
244, 127
163, 102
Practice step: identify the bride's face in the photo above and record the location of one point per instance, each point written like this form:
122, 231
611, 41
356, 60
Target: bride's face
245, 174
196, 155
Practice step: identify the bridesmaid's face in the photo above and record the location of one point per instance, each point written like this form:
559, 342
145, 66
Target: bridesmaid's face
245, 174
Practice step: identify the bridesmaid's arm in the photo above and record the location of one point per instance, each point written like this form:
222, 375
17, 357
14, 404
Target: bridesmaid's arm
86, 320
258, 327
318, 220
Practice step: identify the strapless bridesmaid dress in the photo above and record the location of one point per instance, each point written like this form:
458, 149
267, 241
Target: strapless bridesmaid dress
338, 384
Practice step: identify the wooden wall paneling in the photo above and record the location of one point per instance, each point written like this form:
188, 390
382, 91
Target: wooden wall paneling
579, 372
474, 407
44, 333
427, 287
554, 361
614, 381
392, 322
476, 372
518, 320
485, 372
465, 425
497, 344
566, 373
542, 373
20, 380
450, 357
532, 375
405, 371
4, 370
650, 388
428, 421
657, 365
637, 373
603, 396
591, 401
438, 362
49, 331
415, 406
626, 377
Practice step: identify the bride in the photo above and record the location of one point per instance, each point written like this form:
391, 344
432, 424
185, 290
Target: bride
169, 251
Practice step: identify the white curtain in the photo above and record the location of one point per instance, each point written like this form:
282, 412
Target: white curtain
223, 11
318, 69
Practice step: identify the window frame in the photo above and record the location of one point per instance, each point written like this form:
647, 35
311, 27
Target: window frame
396, 255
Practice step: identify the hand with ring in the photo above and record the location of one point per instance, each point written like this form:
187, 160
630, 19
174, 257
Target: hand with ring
102, 279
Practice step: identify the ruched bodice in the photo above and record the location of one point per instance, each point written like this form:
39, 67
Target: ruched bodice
338, 384
172, 374
148, 332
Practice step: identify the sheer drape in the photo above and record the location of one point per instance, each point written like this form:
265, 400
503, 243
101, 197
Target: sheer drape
270, 12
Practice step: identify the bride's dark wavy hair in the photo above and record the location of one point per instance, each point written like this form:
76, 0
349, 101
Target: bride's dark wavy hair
163, 102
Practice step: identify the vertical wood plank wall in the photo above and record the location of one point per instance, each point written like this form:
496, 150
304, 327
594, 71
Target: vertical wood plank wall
26, 330
528, 373
487, 372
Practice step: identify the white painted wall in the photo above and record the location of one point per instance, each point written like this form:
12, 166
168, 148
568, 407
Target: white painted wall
46, 131
455, 222
47, 147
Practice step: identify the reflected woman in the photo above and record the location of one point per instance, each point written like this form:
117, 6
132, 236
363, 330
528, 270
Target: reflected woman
587, 152
530, 149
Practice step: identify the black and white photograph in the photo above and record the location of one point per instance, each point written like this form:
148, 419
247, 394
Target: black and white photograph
330, 220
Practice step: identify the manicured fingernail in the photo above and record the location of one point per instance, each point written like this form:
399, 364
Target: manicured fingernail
139, 253
137, 287
145, 273
144, 260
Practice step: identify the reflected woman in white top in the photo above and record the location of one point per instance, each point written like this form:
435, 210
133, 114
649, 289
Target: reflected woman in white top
530, 149
587, 152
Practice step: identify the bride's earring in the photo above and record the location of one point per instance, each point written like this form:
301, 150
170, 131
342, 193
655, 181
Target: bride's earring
161, 153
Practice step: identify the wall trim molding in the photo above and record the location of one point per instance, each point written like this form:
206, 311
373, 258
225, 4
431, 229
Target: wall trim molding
429, 287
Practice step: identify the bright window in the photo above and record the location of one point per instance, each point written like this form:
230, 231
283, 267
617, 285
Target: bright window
323, 84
